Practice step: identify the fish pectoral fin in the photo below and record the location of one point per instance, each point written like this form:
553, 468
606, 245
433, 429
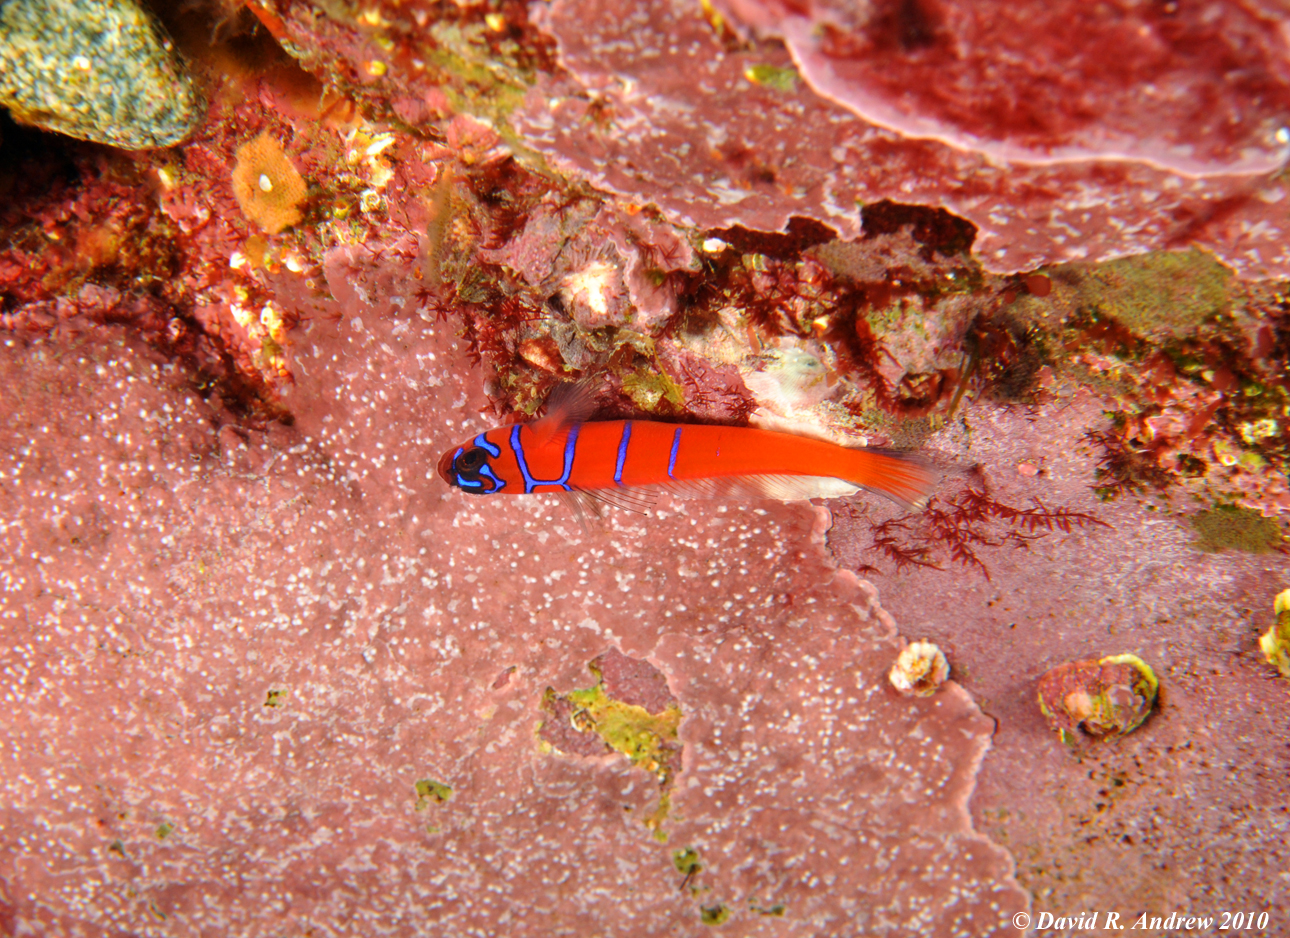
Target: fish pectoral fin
591, 503
639, 499
785, 488
583, 508
567, 404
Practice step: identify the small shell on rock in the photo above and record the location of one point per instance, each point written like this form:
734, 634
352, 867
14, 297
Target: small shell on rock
919, 670
1105, 697
1275, 642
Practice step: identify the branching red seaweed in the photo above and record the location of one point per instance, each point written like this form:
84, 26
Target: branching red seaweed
953, 528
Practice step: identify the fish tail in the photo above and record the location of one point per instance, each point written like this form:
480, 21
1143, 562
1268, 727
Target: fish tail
905, 478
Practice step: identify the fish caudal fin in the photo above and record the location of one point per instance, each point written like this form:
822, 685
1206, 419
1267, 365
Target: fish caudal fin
904, 478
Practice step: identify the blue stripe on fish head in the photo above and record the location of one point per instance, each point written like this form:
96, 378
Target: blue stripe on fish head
470, 469
482, 442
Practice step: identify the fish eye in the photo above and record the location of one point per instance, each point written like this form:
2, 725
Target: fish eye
471, 460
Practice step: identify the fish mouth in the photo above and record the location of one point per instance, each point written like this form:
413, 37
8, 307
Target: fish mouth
445, 464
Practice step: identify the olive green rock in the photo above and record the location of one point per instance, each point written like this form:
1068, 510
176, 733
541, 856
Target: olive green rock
100, 70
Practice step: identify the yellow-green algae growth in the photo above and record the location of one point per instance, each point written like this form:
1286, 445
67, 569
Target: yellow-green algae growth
1275, 643
714, 915
686, 861
1161, 294
1228, 527
772, 76
431, 792
637, 734
647, 739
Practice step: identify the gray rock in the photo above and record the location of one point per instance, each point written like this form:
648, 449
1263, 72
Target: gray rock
100, 70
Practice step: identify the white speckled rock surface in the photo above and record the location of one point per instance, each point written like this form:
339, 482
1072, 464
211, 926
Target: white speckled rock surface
231, 656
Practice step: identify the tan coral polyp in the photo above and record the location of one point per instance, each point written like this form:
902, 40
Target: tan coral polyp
276, 206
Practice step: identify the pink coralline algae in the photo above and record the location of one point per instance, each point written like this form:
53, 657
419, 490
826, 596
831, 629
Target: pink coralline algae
659, 107
225, 719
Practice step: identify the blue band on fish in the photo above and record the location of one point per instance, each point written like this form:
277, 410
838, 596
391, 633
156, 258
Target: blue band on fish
622, 452
676, 445
530, 483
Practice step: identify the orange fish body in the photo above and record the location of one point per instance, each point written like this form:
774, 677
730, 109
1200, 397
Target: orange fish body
612, 460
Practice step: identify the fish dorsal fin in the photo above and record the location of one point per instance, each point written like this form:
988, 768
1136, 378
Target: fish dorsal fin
567, 404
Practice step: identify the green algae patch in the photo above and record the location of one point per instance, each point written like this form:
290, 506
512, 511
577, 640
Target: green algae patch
772, 76
648, 389
164, 830
1228, 527
633, 731
647, 739
686, 861
1164, 292
1162, 295
714, 915
431, 792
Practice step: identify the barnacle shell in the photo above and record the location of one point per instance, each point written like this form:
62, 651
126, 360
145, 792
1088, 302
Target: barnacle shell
1275, 642
1105, 697
919, 670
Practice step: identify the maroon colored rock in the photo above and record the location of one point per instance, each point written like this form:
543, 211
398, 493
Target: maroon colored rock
659, 109
1197, 89
1136, 819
